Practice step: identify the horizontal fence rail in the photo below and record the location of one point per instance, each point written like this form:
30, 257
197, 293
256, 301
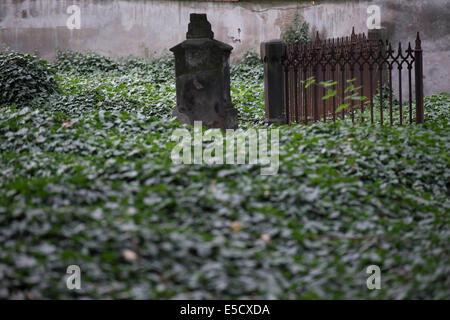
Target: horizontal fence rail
347, 78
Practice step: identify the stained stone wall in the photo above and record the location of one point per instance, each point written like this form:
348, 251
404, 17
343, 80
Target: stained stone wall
148, 27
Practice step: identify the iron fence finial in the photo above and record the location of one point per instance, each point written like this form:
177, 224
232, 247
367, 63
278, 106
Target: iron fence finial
418, 42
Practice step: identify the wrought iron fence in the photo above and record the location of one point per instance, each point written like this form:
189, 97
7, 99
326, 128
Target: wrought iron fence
353, 77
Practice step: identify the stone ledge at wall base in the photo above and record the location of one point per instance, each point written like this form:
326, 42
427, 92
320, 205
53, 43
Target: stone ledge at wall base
202, 73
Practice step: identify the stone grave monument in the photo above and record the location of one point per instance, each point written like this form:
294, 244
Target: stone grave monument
203, 77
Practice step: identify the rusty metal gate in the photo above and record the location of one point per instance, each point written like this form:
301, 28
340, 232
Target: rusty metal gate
335, 78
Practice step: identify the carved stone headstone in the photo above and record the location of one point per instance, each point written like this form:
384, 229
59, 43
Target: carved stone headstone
203, 77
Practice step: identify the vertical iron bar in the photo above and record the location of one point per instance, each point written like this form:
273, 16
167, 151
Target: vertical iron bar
418, 68
296, 83
381, 92
286, 94
400, 92
316, 107
410, 94
343, 89
334, 96
390, 95
352, 74
371, 93
305, 99
400, 54
361, 84
323, 95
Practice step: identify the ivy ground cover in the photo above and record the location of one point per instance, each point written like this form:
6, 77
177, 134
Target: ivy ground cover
86, 178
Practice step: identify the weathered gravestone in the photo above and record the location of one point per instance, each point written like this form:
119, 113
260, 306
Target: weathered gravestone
203, 77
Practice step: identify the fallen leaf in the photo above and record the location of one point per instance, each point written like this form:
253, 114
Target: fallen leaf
266, 237
66, 124
236, 226
129, 255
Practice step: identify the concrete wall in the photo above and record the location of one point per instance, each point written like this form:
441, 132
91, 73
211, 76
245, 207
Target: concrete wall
146, 28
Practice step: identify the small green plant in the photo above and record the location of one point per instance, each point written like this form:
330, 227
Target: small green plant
297, 31
251, 58
351, 92
24, 77
352, 99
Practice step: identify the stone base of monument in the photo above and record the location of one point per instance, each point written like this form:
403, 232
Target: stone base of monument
203, 78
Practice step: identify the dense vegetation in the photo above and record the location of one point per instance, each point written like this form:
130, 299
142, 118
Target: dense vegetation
296, 31
23, 78
87, 179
